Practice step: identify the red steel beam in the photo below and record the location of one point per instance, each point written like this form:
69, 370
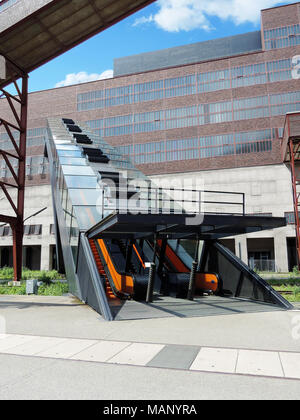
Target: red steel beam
295, 182
20, 116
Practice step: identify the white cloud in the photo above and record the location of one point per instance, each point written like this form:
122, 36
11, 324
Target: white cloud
185, 15
84, 77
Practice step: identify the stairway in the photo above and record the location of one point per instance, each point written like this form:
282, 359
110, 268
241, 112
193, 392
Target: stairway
109, 293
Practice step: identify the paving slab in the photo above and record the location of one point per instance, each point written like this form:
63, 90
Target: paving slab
137, 354
34, 346
291, 364
101, 351
11, 341
175, 357
261, 363
215, 360
67, 348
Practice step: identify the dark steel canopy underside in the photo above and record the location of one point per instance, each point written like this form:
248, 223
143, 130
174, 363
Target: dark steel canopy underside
214, 226
34, 32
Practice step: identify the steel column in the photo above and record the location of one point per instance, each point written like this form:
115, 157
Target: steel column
18, 106
296, 195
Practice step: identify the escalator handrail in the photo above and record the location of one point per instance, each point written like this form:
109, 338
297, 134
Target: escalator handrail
101, 244
119, 294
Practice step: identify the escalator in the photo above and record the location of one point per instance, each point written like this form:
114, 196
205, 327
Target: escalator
108, 262
111, 266
175, 270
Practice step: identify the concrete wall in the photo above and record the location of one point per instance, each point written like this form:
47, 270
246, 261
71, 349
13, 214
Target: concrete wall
36, 198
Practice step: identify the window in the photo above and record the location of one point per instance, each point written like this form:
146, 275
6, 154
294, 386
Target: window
253, 74
285, 36
32, 230
290, 217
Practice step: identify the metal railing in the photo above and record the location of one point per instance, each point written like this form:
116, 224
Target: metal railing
171, 201
263, 265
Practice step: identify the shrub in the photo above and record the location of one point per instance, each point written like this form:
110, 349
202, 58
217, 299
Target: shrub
7, 290
7, 273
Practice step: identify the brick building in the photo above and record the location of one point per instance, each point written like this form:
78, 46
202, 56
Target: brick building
213, 111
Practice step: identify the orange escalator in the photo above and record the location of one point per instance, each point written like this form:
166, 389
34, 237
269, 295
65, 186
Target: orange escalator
204, 281
109, 293
121, 284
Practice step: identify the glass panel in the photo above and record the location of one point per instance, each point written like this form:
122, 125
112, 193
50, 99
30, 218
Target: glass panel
78, 170
81, 181
73, 162
86, 197
66, 147
71, 153
87, 216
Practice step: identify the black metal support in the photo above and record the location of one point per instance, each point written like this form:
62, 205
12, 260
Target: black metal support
192, 283
129, 255
149, 297
191, 291
162, 255
204, 256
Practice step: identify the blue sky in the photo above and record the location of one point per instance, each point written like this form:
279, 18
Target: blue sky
164, 24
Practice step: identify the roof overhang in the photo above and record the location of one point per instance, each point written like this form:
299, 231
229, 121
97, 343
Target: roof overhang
36, 31
181, 226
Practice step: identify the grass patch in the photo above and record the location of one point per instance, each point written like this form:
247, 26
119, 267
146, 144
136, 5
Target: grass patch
7, 273
293, 292
279, 282
54, 289
48, 288
7, 290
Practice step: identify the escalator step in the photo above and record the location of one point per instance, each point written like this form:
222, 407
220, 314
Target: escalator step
68, 121
74, 128
100, 159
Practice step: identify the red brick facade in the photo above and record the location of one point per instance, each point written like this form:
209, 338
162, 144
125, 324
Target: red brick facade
62, 102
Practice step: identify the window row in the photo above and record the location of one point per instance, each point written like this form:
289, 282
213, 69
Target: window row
28, 230
179, 86
202, 147
286, 36
35, 137
247, 75
219, 112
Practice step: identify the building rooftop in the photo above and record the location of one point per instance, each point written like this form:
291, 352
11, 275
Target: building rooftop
189, 54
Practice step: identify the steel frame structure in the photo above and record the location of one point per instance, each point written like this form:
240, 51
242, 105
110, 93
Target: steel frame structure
294, 150
18, 105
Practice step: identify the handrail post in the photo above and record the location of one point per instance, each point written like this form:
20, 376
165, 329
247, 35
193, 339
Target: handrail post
192, 283
191, 290
149, 297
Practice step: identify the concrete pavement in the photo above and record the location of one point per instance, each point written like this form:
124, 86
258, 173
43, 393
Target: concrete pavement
252, 356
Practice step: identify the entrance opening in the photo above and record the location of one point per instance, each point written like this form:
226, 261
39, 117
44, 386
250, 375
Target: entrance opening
261, 254
292, 256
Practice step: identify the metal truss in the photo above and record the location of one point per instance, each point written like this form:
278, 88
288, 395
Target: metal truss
294, 152
18, 105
